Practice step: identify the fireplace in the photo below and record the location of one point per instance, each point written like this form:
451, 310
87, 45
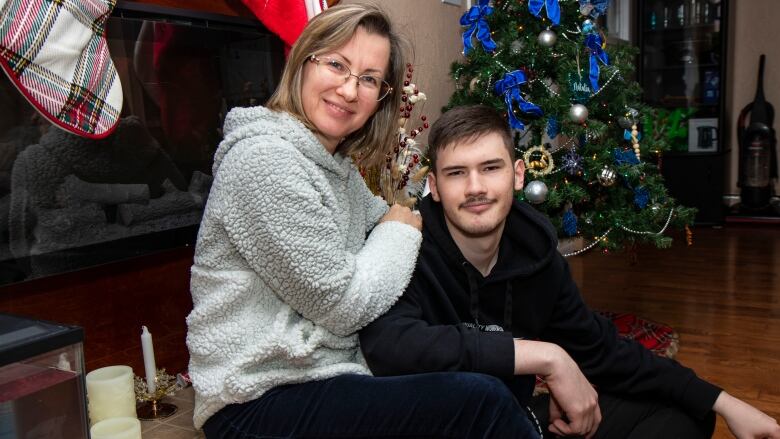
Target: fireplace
67, 203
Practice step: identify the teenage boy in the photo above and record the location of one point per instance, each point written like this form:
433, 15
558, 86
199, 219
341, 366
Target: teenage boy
492, 295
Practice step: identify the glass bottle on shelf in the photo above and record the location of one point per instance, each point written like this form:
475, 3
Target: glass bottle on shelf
666, 16
680, 14
695, 12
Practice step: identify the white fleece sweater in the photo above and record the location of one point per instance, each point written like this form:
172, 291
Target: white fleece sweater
284, 274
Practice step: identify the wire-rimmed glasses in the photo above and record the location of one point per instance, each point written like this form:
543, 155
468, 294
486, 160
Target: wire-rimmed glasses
369, 86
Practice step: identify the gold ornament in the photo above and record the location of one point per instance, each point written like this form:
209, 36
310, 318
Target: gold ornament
538, 161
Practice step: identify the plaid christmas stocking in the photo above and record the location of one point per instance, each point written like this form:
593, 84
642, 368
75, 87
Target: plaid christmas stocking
56, 54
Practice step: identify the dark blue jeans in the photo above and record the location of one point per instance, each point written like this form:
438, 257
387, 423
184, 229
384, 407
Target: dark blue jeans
625, 418
432, 405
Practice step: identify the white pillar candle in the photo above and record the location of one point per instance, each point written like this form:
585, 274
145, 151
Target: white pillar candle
117, 428
149, 365
111, 393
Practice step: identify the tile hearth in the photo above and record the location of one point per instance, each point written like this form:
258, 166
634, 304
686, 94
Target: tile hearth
178, 426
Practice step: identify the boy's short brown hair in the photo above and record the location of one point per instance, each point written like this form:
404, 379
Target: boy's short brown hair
466, 124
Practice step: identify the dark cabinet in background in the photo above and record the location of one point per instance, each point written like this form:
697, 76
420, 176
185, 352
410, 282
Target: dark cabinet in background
682, 70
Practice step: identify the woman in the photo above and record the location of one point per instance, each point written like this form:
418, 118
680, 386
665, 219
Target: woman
284, 274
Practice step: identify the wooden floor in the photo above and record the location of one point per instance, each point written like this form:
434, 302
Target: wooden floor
722, 295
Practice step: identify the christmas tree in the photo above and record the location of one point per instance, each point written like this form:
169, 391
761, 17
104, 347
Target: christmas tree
577, 118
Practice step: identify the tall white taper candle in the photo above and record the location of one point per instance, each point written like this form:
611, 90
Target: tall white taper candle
149, 365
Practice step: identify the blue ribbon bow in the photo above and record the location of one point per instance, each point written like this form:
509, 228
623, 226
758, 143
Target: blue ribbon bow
627, 135
509, 87
641, 197
553, 127
593, 43
476, 20
552, 6
569, 223
625, 157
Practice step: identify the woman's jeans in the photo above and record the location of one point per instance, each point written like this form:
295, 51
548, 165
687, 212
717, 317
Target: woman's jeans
431, 405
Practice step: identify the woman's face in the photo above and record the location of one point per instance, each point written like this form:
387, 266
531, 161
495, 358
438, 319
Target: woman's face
338, 108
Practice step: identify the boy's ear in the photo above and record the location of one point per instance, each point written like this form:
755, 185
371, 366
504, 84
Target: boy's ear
519, 174
432, 186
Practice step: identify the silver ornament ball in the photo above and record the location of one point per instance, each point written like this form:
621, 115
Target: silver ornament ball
607, 176
578, 113
516, 47
535, 192
629, 119
547, 38
625, 123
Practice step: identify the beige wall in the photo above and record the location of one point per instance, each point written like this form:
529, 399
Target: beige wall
753, 27
434, 31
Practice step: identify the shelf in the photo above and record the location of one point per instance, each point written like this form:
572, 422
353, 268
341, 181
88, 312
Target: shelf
705, 27
677, 103
682, 66
691, 155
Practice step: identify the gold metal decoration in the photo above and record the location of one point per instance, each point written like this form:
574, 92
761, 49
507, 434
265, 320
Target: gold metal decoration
538, 161
149, 406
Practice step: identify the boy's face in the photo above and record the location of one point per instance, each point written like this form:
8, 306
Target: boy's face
475, 182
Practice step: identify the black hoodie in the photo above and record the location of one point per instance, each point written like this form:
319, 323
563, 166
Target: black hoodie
451, 318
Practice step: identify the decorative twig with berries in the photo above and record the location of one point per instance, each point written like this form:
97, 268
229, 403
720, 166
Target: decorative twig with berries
402, 177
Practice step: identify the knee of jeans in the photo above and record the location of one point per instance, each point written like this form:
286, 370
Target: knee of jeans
488, 386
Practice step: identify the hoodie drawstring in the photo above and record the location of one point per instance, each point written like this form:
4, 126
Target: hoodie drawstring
474, 298
473, 293
508, 308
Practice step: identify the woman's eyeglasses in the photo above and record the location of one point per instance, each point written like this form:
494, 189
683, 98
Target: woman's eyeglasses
369, 86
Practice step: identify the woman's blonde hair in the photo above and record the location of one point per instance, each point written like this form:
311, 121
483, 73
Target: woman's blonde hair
330, 30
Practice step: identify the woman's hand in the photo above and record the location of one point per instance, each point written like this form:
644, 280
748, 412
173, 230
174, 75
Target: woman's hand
403, 214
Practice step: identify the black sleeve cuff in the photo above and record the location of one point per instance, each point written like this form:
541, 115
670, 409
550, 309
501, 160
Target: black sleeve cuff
699, 397
496, 354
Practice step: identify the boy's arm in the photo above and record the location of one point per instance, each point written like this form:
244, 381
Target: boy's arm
569, 389
744, 420
403, 341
